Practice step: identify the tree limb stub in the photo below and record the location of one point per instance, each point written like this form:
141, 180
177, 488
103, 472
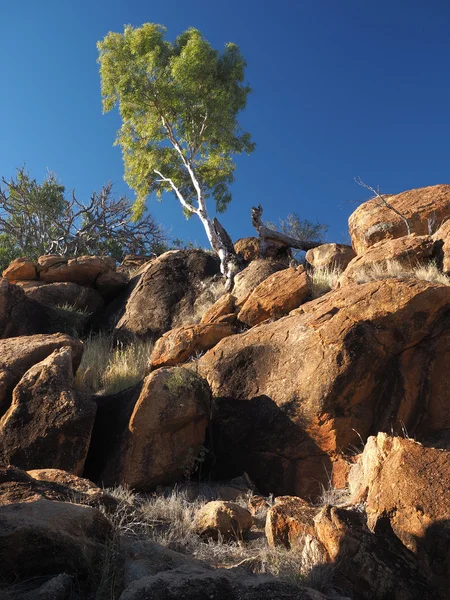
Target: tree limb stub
265, 233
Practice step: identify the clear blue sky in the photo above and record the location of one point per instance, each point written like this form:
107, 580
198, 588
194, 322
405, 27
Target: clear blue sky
341, 88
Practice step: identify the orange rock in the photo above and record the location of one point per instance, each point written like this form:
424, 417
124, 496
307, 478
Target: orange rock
21, 269
223, 518
247, 280
248, 248
442, 238
83, 270
222, 307
330, 256
410, 251
289, 520
372, 222
178, 345
276, 296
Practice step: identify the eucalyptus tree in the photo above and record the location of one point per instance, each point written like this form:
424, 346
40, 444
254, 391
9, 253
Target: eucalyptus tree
179, 103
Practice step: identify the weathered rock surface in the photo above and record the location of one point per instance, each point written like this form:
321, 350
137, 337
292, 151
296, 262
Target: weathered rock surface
20, 315
276, 296
44, 537
369, 565
164, 295
410, 251
247, 280
64, 293
82, 270
227, 519
48, 425
372, 222
19, 354
178, 345
289, 520
247, 248
224, 306
57, 588
166, 429
330, 256
20, 269
442, 239
109, 284
290, 395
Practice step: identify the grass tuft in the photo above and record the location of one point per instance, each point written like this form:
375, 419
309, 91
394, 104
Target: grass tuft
323, 280
392, 268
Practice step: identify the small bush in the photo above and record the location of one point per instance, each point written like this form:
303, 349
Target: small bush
70, 320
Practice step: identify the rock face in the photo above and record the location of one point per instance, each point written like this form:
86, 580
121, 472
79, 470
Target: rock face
65, 293
83, 270
410, 251
417, 506
442, 238
369, 566
20, 315
223, 307
290, 395
330, 256
21, 353
371, 222
48, 425
247, 280
248, 248
223, 518
178, 345
43, 537
166, 430
165, 294
276, 296
289, 520
20, 269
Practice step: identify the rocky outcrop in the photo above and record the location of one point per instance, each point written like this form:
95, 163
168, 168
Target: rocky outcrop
19, 354
247, 280
20, 269
410, 252
64, 293
276, 296
223, 307
20, 315
82, 270
292, 394
289, 520
330, 256
178, 345
166, 430
48, 424
247, 248
164, 296
226, 519
372, 222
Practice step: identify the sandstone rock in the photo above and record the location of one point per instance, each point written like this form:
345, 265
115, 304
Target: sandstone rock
178, 345
19, 354
223, 518
417, 506
20, 315
224, 306
44, 537
409, 251
276, 296
166, 430
442, 239
366, 565
290, 395
65, 293
48, 425
248, 248
21, 269
164, 295
247, 280
371, 222
289, 520
330, 256
83, 270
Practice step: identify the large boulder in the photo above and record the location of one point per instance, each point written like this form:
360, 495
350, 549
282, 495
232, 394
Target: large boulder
19, 354
409, 252
164, 295
289, 520
166, 430
82, 270
292, 394
417, 506
21, 269
224, 307
276, 296
178, 345
330, 256
20, 315
372, 221
247, 248
48, 424
64, 293
44, 537
223, 519
248, 279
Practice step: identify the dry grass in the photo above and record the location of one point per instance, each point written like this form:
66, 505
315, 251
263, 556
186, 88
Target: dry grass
108, 368
323, 280
210, 292
393, 268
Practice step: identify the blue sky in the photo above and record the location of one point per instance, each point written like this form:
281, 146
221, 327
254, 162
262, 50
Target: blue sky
341, 88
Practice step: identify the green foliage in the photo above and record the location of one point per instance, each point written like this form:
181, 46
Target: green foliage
179, 103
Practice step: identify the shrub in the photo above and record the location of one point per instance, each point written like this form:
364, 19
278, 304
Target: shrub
323, 280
